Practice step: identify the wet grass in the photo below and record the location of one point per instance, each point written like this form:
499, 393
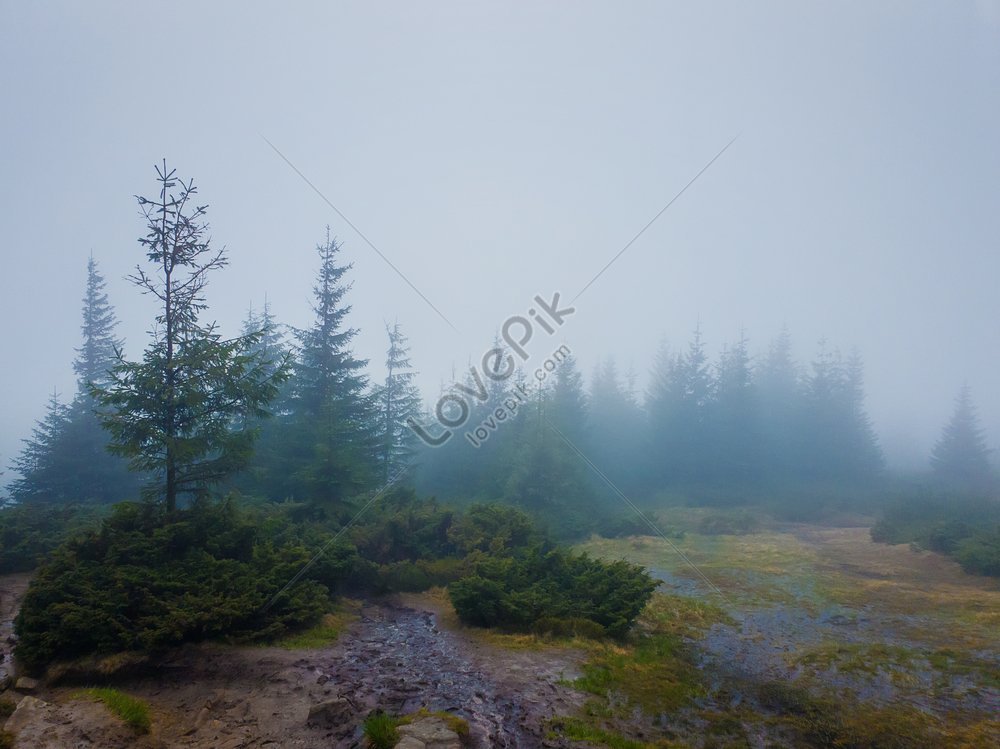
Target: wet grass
654, 672
576, 729
133, 711
902, 664
749, 569
380, 730
324, 633
910, 617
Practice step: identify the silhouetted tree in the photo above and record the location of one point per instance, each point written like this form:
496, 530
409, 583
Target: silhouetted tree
269, 346
398, 400
68, 460
679, 404
326, 446
568, 402
961, 457
780, 401
837, 439
41, 478
172, 414
735, 415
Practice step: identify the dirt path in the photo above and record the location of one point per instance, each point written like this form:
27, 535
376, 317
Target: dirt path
12, 589
395, 657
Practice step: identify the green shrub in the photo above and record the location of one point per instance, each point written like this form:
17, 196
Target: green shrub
492, 529
30, 533
964, 527
401, 527
419, 575
380, 730
148, 581
517, 592
980, 554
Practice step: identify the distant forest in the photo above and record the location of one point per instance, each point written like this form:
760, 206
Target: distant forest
234, 487
705, 432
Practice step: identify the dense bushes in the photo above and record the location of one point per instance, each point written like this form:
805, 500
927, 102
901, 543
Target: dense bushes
532, 589
148, 580
29, 533
966, 528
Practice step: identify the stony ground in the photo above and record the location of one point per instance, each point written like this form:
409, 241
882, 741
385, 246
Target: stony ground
394, 657
820, 607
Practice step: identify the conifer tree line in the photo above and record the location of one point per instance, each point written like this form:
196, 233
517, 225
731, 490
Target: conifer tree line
736, 428
288, 413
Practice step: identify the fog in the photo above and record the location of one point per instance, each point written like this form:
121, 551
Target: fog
490, 153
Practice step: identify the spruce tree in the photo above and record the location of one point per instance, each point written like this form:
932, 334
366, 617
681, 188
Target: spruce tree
779, 401
174, 413
735, 416
568, 402
615, 431
961, 457
269, 341
328, 441
68, 460
398, 400
837, 438
98, 352
679, 404
41, 478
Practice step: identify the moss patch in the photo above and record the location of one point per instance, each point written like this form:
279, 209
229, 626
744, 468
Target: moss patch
325, 632
133, 711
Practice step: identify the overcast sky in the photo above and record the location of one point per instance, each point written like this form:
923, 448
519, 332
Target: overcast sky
494, 151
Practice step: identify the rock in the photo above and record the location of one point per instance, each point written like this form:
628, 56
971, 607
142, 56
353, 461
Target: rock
336, 711
408, 742
431, 733
26, 684
28, 710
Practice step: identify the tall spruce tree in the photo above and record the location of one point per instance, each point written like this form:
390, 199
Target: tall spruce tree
779, 400
837, 438
678, 406
98, 352
735, 416
41, 477
103, 476
961, 458
172, 414
398, 400
327, 444
269, 341
68, 460
568, 402
615, 423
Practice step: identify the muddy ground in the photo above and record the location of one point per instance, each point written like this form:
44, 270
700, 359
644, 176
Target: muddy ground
820, 607
394, 657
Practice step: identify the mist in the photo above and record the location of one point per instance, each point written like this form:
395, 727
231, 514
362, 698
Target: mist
499, 374
492, 154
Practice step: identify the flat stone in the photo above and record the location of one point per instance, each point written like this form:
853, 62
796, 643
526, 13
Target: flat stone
408, 742
26, 684
432, 733
336, 711
28, 710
